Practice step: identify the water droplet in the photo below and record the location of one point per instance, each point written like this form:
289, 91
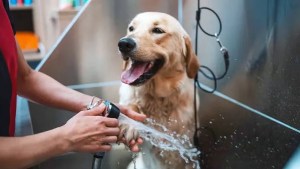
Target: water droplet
161, 153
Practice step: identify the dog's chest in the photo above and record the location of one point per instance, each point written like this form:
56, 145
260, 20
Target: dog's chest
174, 112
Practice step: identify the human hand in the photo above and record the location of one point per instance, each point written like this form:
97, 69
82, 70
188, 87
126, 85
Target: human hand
128, 134
131, 113
88, 131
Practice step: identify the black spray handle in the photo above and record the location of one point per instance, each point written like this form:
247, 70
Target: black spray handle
112, 111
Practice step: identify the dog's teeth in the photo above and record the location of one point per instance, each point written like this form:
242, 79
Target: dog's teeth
151, 63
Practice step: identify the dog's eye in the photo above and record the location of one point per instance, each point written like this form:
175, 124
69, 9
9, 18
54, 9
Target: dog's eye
158, 30
131, 28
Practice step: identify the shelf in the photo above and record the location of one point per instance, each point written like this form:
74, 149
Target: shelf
20, 7
32, 56
68, 11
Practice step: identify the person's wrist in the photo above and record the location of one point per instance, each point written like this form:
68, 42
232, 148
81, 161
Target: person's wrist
95, 101
64, 144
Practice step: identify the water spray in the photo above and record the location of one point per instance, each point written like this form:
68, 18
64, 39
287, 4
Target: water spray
163, 140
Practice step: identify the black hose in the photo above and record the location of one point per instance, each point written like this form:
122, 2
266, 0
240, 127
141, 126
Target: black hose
97, 161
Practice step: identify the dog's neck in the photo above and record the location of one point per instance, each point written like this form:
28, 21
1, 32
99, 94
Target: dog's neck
163, 86
165, 91
175, 105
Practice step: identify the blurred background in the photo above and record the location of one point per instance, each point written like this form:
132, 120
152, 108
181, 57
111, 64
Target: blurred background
39, 23
250, 122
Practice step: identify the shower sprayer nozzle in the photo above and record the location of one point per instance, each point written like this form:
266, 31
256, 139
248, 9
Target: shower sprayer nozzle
112, 111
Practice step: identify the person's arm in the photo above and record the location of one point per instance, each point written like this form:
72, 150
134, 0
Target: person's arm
87, 131
41, 88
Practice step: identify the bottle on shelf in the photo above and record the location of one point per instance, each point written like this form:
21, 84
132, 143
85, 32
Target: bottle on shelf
27, 2
13, 2
20, 2
71, 4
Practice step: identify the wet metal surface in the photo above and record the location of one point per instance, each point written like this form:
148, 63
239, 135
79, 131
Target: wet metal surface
263, 38
252, 122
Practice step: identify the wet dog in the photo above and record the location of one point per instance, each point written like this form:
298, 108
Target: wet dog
157, 80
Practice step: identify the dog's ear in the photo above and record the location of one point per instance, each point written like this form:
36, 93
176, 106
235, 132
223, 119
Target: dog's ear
192, 63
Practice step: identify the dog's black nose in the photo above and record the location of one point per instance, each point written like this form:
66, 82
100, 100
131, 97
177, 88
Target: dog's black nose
126, 45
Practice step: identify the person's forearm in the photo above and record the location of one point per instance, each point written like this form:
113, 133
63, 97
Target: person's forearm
41, 88
24, 152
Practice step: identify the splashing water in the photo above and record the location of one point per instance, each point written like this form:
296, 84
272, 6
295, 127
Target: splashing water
165, 141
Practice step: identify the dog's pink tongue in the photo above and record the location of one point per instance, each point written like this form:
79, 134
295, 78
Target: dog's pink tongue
133, 73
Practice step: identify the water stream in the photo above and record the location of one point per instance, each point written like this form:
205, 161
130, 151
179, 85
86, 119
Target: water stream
165, 139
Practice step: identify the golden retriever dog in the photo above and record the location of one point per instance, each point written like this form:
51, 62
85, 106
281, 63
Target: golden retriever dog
157, 80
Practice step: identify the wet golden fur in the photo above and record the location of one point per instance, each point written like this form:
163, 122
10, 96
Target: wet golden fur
168, 96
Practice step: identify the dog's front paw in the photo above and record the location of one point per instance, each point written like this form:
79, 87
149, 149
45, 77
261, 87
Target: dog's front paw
128, 133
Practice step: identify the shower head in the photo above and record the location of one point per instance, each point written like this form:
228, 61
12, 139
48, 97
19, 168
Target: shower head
112, 111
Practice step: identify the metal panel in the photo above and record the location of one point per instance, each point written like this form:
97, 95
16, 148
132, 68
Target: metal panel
263, 41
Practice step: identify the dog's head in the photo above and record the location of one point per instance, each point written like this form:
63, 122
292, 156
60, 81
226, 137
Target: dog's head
156, 46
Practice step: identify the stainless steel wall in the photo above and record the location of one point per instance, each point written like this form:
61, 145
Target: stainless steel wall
263, 38
252, 121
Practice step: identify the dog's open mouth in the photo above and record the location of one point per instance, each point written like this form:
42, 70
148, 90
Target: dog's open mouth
141, 71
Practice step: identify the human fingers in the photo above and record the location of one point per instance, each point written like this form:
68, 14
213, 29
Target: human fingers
103, 139
134, 148
134, 145
110, 131
111, 122
109, 139
140, 140
132, 114
137, 141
